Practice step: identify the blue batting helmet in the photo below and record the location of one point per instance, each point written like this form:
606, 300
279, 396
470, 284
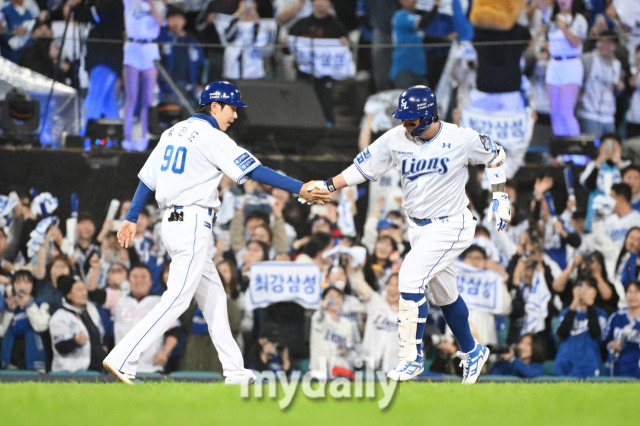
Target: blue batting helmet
221, 91
417, 102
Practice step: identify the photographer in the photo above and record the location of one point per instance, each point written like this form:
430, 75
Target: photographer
588, 265
331, 336
522, 360
623, 336
21, 324
268, 354
580, 326
604, 171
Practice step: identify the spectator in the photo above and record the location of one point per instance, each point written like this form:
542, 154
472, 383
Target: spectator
590, 265
21, 323
321, 24
85, 243
330, 336
481, 288
269, 354
206, 26
314, 249
623, 336
42, 54
602, 83
380, 340
581, 327
47, 285
143, 19
633, 113
631, 176
131, 308
525, 360
379, 13
409, 63
600, 174
628, 263
249, 41
256, 251
182, 56
385, 253
530, 283
623, 217
567, 31
18, 23
76, 330
103, 59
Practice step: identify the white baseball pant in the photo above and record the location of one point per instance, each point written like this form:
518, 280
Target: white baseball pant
434, 249
189, 243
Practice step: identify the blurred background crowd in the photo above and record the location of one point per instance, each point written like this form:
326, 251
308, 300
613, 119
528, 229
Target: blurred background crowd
557, 293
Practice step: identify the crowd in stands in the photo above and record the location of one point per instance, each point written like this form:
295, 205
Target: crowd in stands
559, 286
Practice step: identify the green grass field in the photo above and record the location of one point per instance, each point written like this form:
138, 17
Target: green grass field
186, 404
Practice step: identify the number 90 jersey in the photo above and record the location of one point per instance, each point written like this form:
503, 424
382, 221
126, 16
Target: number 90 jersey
188, 164
434, 172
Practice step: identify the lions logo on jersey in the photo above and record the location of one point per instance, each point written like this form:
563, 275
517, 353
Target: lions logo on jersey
363, 156
413, 168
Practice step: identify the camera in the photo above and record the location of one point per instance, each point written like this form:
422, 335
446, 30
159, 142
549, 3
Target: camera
504, 349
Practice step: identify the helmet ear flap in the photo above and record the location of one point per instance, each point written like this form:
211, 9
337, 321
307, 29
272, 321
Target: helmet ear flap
425, 123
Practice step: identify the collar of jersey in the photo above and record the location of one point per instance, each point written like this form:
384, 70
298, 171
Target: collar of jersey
208, 118
435, 136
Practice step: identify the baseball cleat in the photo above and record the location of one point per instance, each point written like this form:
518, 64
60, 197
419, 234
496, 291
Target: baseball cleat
472, 363
129, 379
407, 370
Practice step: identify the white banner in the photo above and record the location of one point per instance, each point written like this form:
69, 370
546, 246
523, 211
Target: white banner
273, 282
512, 130
480, 288
322, 57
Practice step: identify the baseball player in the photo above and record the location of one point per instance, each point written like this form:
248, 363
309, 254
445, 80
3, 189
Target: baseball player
185, 170
432, 158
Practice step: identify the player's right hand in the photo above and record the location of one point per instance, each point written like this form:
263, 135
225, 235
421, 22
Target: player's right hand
126, 232
314, 191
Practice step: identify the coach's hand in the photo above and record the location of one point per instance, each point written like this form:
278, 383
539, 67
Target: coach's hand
126, 232
500, 210
314, 191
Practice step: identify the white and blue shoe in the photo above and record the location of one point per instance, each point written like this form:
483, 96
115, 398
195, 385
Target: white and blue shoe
407, 370
122, 377
472, 363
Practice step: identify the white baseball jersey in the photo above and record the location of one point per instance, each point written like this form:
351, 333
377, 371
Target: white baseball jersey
186, 167
434, 172
138, 20
380, 340
329, 340
617, 227
598, 99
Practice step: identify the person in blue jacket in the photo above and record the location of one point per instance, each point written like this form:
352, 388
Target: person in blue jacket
182, 56
581, 327
523, 361
623, 336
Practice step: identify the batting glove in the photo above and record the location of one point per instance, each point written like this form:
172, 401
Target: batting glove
317, 184
500, 210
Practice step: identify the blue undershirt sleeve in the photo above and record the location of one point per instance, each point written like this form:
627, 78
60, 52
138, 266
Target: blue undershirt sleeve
138, 202
266, 175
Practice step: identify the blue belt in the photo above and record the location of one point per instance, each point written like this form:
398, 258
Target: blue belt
209, 210
425, 222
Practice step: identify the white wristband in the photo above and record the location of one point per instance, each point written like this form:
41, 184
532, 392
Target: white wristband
352, 176
496, 175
